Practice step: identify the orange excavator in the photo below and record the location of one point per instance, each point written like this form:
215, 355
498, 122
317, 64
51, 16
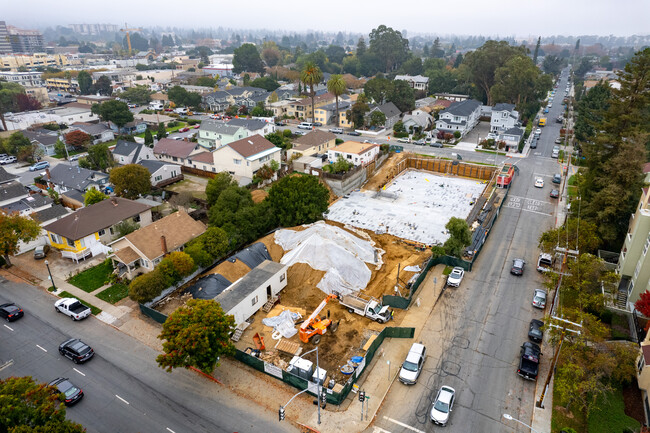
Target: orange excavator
315, 326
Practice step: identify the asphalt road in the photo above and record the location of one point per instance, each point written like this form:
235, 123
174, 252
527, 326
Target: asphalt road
125, 391
474, 333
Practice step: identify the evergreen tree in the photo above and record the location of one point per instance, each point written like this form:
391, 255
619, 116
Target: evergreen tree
539, 41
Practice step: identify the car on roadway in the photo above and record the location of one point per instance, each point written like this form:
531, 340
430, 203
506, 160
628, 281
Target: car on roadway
404, 140
197, 126
184, 129
412, 366
558, 140
538, 131
455, 277
535, 332
11, 312
68, 393
354, 133
539, 299
133, 105
443, 405
539, 182
557, 179
281, 123
76, 350
556, 152
420, 142
529, 361
436, 144
8, 160
518, 267
39, 166
336, 130
41, 251
555, 193
318, 124
546, 110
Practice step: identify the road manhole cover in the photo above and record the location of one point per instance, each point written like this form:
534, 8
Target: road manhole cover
461, 342
451, 368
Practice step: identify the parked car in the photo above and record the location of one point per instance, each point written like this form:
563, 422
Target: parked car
443, 405
535, 332
533, 143
76, 350
39, 166
420, 142
354, 133
281, 123
41, 251
404, 140
68, 393
11, 312
558, 140
184, 129
318, 124
545, 110
557, 179
517, 267
539, 299
72, 307
455, 276
538, 131
436, 144
555, 193
412, 366
529, 361
336, 130
8, 160
539, 182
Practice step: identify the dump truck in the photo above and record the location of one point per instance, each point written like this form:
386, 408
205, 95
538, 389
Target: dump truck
371, 308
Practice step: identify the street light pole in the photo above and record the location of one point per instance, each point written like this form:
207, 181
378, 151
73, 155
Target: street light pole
511, 418
47, 264
318, 385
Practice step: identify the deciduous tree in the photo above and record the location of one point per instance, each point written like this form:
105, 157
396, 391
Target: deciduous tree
217, 185
115, 111
77, 138
459, 237
147, 286
389, 46
98, 158
298, 200
196, 335
137, 95
14, 229
93, 196
642, 305
131, 181
247, 58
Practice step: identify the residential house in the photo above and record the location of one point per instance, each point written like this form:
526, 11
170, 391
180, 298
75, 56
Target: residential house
214, 133
354, 152
326, 114
391, 112
93, 99
417, 82
74, 112
248, 295
315, 142
174, 151
162, 173
99, 132
504, 117
305, 164
512, 137
460, 116
253, 126
89, 230
67, 178
455, 97
129, 152
222, 99
11, 191
242, 158
44, 139
27, 204
140, 251
132, 128
643, 374
202, 161
417, 119
301, 109
152, 120
634, 260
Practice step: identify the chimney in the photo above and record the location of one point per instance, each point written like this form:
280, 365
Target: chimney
114, 201
163, 245
47, 171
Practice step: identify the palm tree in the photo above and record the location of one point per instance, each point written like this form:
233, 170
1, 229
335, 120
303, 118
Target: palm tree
336, 85
310, 76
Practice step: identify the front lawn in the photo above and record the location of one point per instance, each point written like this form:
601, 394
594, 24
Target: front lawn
93, 278
114, 293
610, 416
94, 310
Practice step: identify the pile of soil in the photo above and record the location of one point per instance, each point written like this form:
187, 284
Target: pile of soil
259, 195
231, 271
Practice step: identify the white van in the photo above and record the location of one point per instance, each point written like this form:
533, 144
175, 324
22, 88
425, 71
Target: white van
306, 125
156, 106
181, 110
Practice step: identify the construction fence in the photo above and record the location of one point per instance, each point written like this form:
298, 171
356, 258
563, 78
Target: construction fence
328, 394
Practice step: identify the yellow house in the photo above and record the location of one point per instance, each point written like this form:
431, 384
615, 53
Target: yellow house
316, 141
62, 84
302, 108
87, 231
35, 60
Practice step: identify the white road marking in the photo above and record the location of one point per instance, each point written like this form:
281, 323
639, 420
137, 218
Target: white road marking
78, 371
11, 329
121, 399
41, 348
170, 430
404, 425
379, 430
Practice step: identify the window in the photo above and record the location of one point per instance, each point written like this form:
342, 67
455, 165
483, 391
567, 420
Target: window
136, 218
111, 231
282, 277
157, 178
637, 269
641, 364
70, 242
647, 244
237, 161
55, 238
255, 299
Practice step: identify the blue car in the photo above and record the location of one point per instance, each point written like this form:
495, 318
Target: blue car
39, 166
545, 110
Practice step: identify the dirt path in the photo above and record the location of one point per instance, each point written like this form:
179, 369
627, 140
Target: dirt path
386, 172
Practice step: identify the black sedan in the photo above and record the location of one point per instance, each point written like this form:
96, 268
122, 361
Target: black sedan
555, 193
68, 393
517, 267
535, 332
76, 350
11, 312
354, 133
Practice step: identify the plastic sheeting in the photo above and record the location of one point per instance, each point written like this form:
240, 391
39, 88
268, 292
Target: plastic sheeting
415, 268
283, 323
252, 256
209, 286
329, 248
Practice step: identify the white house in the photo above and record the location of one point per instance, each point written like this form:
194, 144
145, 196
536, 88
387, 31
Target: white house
354, 152
162, 173
511, 137
129, 152
99, 132
417, 82
244, 157
248, 295
504, 117
213, 133
460, 116
417, 119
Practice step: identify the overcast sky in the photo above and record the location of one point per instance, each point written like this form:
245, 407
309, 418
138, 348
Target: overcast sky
521, 18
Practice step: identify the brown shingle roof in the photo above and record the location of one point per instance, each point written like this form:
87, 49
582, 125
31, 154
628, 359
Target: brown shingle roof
203, 157
178, 229
318, 98
177, 148
646, 167
127, 255
91, 219
252, 145
314, 138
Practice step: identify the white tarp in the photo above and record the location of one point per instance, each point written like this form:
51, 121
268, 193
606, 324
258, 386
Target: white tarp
284, 323
329, 248
415, 268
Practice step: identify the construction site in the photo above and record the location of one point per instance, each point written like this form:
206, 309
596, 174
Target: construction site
337, 271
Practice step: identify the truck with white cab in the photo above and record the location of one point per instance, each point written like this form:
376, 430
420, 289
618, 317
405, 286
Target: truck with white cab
371, 308
72, 307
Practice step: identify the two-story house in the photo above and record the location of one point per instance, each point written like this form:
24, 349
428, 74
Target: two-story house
140, 251
253, 126
242, 158
354, 152
301, 109
326, 114
416, 82
315, 142
66, 177
99, 132
391, 112
89, 230
44, 139
174, 151
417, 120
504, 116
460, 116
129, 152
214, 133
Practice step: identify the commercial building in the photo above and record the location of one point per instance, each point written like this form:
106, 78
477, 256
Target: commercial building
25, 41
25, 79
5, 46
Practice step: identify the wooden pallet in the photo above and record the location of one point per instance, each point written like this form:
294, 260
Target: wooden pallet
288, 347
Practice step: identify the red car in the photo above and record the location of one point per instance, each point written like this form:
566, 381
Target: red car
197, 126
184, 129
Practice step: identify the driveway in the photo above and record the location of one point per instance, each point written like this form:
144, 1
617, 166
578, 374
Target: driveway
477, 134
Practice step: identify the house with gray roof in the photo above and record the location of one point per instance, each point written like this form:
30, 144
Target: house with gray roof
66, 177
512, 137
50, 214
162, 173
222, 99
214, 133
12, 191
99, 132
391, 112
253, 126
5, 176
460, 116
417, 82
129, 152
27, 205
417, 119
44, 141
504, 117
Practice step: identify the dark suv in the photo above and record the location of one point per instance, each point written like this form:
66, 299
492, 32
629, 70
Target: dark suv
529, 362
517, 267
76, 350
68, 393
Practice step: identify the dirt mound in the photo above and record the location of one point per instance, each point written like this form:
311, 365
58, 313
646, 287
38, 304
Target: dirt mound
259, 195
231, 271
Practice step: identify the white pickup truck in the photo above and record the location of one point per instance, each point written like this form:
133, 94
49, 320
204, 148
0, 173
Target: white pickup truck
72, 307
370, 308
